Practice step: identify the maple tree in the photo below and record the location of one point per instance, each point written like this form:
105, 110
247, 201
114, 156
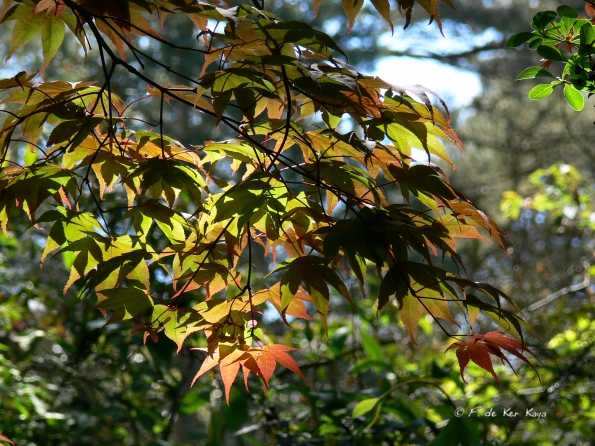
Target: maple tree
322, 203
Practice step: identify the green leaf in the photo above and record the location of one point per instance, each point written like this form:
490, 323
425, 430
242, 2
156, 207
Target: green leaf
73, 131
551, 53
410, 314
383, 8
246, 100
518, 39
352, 7
394, 282
371, 346
574, 97
534, 43
302, 34
364, 406
542, 19
587, 35
533, 72
52, 35
568, 15
174, 322
541, 91
22, 33
130, 301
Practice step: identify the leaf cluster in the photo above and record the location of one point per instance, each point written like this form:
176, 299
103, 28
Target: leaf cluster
325, 203
561, 36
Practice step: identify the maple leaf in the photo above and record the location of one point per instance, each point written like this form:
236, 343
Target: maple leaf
261, 360
296, 306
480, 347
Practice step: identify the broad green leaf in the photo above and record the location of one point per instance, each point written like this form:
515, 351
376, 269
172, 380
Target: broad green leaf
31, 156
371, 346
364, 406
533, 72
574, 97
542, 19
551, 53
541, 91
302, 34
518, 39
587, 35
568, 16
535, 43
74, 131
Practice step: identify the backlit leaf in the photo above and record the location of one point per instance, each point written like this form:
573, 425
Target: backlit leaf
533, 72
52, 35
352, 8
541, 91
518, 39
574, 97
364, 406
479, 348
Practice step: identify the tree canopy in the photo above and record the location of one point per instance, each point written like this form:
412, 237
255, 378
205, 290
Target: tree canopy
329, 185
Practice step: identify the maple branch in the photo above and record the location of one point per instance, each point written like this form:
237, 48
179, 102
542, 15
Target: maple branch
231, 123
136, 50
562, 292
37, 146
249, 279
161, 126
287, 118
325, 362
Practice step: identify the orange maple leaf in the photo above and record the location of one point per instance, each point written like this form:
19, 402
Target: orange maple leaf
261, 361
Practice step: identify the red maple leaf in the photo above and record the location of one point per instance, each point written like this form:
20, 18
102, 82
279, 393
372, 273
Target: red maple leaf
480, 347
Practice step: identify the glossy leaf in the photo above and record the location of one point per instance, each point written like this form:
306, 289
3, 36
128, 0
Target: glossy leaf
574, 97
534, 72
518, 39
541, 91
364, 406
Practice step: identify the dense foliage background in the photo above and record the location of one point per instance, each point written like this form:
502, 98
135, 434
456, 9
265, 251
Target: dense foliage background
67, 379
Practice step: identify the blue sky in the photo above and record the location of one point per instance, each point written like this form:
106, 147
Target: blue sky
457, 86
